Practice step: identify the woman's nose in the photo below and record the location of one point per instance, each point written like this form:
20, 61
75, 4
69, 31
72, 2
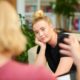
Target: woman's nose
41, 33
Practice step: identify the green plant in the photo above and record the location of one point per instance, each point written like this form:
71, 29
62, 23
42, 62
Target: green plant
30, 40
64, 7
65, 10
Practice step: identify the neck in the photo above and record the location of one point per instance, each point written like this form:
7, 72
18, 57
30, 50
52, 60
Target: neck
53, 40
4, 59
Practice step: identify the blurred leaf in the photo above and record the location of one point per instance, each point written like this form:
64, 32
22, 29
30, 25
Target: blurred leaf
30, 40
64, 7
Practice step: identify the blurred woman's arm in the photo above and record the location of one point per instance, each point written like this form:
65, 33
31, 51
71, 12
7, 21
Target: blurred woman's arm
40, 58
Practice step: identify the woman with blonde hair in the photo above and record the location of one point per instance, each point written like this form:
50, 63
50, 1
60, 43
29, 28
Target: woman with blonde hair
12, 42
48, 40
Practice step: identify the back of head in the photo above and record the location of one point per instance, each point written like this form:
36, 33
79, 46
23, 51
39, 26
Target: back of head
39, 15
11, 36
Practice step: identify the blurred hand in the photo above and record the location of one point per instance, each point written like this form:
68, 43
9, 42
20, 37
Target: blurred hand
71, 48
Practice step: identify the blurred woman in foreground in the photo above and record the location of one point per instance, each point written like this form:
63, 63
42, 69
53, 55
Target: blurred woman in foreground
12, 42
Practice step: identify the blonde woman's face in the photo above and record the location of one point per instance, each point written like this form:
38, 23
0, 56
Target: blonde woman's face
43, 31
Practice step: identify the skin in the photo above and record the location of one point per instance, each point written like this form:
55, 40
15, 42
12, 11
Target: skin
44, 33
73, 47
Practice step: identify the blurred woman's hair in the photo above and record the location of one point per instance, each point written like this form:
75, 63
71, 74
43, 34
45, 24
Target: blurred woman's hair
11, 36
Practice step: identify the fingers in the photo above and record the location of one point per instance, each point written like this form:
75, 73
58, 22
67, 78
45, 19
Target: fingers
71, 48
40, 43
36, 41
65, 52
73, 39
67, 41
64, 46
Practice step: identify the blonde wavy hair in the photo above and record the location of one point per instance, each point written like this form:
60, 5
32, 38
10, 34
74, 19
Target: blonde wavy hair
11, 36
39, 15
